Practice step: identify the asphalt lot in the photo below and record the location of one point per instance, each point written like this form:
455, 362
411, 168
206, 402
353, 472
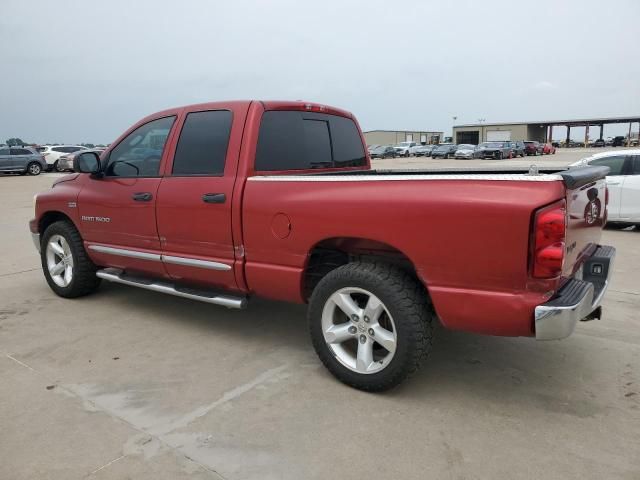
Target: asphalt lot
128, 383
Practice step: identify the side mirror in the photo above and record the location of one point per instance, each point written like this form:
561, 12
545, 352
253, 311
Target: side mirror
86, 162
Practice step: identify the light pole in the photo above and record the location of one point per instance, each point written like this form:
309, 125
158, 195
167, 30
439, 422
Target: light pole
481, 121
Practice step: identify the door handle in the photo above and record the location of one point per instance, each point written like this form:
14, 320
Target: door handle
142, 197
214, 198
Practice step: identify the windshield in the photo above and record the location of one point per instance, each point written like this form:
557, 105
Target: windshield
491, 145
378, 149
465, 146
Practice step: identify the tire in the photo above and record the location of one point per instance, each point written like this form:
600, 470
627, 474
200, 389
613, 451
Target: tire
406, 318
500, 156
34, 169
56, 167
81, 279
446, 156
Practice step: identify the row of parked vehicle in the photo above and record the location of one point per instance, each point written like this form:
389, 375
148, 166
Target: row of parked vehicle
34, 160
492, 150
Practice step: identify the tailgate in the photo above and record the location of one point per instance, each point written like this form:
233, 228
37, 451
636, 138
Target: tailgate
586, 197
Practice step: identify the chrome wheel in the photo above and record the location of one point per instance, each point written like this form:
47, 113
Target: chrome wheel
35, 169
359, 330
59, 260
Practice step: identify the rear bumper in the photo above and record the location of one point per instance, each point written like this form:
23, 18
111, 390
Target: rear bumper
579, 299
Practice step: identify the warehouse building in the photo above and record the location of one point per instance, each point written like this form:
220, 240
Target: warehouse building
538, 131
393, 137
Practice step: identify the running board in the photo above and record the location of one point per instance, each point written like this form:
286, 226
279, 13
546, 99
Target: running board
117, 276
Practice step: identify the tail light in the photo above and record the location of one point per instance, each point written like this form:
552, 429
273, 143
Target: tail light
549, 233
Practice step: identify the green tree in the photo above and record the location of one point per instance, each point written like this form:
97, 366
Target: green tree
14, 142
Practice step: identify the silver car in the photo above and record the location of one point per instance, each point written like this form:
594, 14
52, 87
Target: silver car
21, 160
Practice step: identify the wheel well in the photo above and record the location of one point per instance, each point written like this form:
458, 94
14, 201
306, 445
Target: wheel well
335, 252
52, 217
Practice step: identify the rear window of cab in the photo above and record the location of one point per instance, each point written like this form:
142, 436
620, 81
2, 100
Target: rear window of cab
291, 140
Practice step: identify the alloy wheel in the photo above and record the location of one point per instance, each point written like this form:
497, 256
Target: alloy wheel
59, 261
359, 330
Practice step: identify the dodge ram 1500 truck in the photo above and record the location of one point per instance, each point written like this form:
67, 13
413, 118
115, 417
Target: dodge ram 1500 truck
219, 202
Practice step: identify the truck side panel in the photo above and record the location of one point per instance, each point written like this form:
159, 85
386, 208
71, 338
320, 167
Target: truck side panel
468, 239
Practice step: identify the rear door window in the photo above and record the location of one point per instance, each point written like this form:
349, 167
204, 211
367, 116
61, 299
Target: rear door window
291, 140
616, 164
4, 151
202, 147
20, 151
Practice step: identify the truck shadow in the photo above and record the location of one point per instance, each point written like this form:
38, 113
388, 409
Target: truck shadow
487, 370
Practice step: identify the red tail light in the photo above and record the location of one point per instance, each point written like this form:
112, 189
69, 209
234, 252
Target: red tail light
549, 232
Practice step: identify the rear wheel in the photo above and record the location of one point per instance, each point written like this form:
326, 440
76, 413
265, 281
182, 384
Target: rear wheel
500, 156
67, 268
370, 324
34, 168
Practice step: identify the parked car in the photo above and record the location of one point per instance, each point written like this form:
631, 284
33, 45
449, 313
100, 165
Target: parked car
495, 150
424, 150
52, 153
65, 162
249, 200
532, 147
555, 144
465, 150
21, 160
371, 147
406, 149
618, 141
384, 151
548, 149
518, 148
599, 143
444, 150
623, 182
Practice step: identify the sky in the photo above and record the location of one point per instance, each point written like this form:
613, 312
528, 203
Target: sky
84, 71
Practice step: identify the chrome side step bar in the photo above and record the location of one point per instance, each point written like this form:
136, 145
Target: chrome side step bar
117, 276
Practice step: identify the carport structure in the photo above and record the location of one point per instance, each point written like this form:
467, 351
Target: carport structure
541, 131
586, 123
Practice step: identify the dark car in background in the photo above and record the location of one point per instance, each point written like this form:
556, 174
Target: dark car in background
532, 147
444, 150
518, 148
21, 160
383, 151
618, 141
496, 150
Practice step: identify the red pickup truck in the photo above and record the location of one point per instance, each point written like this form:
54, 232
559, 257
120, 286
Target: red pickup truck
219, 202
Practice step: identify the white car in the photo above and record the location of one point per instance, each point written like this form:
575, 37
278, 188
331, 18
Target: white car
52, 153
623, 183
406, 148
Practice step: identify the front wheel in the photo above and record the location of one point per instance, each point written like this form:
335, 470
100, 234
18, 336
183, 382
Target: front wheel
67, 268
370, 324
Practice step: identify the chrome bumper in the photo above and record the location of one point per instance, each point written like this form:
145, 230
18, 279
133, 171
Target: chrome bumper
578, 299
36, 240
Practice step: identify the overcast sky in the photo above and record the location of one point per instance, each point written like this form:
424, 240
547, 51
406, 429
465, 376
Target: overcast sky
84, 71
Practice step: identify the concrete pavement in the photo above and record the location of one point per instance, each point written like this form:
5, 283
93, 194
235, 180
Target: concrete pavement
127, 383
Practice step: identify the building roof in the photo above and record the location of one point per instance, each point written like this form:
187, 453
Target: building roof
572, 123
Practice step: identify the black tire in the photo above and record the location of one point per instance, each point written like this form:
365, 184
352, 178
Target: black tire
500, 156
407, 302
34, 168
84, 280
446, 156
